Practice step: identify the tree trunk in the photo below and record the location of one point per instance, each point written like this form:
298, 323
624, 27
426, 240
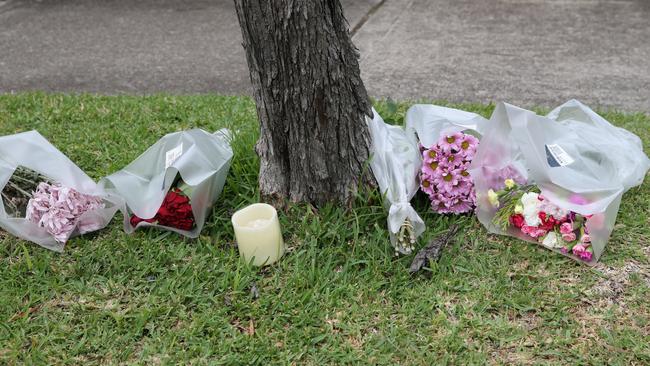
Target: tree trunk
311, 102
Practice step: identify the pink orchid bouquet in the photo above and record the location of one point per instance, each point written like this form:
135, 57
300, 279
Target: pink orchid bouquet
524, 210
444, 175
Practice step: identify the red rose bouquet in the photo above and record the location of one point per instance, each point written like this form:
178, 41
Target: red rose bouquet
175, 211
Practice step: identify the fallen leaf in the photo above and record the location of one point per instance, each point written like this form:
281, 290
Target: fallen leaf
432, 252
251, 328
22, 314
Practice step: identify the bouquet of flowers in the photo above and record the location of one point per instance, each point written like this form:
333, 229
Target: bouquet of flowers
173, 185
448, 144
175, 211
538, 219
398, 158
46, 198
553, 180
395, 163
445, 177
51, 206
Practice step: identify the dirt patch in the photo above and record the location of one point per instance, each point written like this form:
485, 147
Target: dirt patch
616, 281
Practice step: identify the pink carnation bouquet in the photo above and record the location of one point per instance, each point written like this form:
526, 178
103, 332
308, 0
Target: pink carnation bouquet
58, 210
52, 206
444, 176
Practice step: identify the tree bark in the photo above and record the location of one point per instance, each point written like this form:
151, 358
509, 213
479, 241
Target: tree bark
311, 101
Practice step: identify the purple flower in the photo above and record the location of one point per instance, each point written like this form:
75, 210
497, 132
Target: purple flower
465, 176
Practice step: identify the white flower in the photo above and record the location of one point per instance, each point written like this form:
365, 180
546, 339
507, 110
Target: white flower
530, 199
493, 198
551, 241
531, 208
531, 216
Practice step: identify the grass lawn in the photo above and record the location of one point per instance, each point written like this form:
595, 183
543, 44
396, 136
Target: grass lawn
339, 296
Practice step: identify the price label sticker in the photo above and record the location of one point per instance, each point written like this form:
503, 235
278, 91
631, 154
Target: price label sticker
557, 156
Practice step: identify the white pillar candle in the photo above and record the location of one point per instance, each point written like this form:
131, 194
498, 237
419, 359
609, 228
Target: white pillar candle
258, 234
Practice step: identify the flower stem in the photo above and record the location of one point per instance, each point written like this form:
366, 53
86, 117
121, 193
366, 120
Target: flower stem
405, 238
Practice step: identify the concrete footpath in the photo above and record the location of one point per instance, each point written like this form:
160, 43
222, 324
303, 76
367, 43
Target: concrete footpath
528, 52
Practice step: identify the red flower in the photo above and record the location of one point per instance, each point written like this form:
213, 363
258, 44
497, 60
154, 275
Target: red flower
548, 222
175, 212
517, 220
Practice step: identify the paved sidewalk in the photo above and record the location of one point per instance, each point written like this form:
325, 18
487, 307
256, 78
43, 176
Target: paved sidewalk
527, 52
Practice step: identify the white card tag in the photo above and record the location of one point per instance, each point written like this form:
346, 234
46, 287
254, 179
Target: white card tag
561, 157
173, 155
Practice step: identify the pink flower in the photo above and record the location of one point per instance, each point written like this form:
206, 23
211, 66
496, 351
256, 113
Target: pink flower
451, 142
532, 231
569, 237
464, 174
426, 184
586, 239
59, 209
462, 206
445, 177
430, 155
431, 168
468, 146
464, 188
452, 160
578, 248
583, 252
596, 221
438, 204
447, 180
566, 228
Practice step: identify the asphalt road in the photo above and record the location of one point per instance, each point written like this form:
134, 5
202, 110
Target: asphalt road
527, 52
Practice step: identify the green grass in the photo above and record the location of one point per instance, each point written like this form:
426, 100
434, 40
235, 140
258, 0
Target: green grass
338, 297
